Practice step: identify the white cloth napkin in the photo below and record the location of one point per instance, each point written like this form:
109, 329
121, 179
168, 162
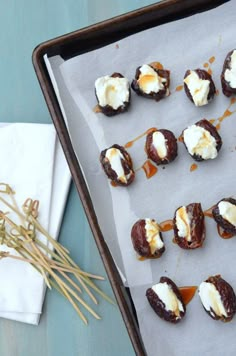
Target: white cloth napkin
32, 163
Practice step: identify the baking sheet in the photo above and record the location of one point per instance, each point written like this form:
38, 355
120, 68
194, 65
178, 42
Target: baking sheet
181, 45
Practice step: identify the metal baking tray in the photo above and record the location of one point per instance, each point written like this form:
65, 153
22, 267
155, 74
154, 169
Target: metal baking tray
79, 42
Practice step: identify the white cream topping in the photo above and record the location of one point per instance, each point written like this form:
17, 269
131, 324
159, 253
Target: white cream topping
199, 88
115, 156
168, 297
200, 142
211, 299
153, 235
230, 74
159, 142
149, 81
112, 91
228, 211
183, 223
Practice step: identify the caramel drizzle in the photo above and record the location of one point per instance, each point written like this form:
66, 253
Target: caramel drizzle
179, 88
166, 225
130, 143
193, 167
207, 65
227, 113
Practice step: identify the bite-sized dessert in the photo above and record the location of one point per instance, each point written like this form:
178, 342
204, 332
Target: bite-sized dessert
199, 86
161, 146
113, 94
218, 298
117, 165
202, 140
166, 300
189, 226
228, 75
151, 82
224, 214
147, 238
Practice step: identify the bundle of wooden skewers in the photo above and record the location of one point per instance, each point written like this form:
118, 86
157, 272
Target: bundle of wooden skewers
34, 245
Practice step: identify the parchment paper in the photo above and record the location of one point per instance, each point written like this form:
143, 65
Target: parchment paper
181, 45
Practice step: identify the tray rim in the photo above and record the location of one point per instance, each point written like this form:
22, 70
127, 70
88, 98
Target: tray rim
58, 121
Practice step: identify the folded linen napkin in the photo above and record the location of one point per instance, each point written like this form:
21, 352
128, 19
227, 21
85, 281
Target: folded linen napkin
33, 164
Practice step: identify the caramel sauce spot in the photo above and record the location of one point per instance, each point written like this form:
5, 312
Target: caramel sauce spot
179, 88
180, 138
97, 109
149, 169
114, 184
209, 71
218, 127
212, 59
166, 225
193, 167
205, 65
212, 121
233, 100
187, 293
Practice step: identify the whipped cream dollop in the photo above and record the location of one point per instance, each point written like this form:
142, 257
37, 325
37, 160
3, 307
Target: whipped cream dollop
200, 142
230, 73
115, 158
149, 81
211, 299
153, 235
165, 293
228, 211
183, 223
160, 143
199, 88
112, 91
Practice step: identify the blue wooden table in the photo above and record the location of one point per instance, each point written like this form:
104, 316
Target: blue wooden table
23, 25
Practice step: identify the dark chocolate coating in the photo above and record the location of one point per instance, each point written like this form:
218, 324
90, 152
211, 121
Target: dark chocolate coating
227, 295
159, 306
226, 88
140, 243
197, 227
226, 225
163, 73
126, 163
212, 130
108, 110
202, 74
172, 148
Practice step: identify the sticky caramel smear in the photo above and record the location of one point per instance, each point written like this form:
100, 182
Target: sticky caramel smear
141, 258
130, 143
179, 88
193, 167
208, 212
166, 225
187, 293
218, 127
212, 59
205, 65
224, 234
149, 169
114, 184
209, 71
97, 109
180, 138
212, 121
156, 65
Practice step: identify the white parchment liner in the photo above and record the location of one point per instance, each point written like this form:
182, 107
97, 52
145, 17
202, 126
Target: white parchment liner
180, 45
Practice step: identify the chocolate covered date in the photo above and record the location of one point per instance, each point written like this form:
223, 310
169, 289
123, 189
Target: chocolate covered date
151, 82
161, 146
147, 238
218, 298
199, 86
224, 214
166, 300
228, 75
189, 226
202, 140
117, 165
113, 94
